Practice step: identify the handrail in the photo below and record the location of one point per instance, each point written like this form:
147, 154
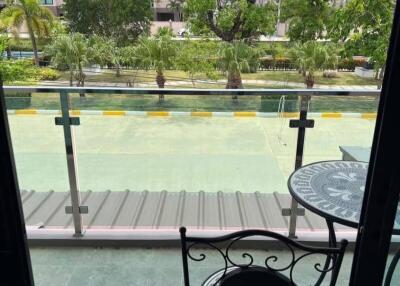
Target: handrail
76, 209
194, 91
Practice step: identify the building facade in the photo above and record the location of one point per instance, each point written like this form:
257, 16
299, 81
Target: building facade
164, 16
54, 6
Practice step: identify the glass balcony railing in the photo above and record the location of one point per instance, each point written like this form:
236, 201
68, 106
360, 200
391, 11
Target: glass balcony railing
105, 159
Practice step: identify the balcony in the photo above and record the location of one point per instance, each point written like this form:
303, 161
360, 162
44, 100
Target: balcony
143, 266
199, 158
138, 168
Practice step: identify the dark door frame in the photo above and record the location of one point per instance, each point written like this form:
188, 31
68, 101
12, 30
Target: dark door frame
15, 264
383, 181
379, 205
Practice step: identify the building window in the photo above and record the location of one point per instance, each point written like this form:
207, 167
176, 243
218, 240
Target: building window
165, 16
47, 2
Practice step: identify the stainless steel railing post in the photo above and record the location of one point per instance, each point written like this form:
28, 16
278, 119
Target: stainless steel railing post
301, 124
66, 121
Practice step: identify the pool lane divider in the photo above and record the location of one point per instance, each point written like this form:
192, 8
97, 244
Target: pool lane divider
238, 114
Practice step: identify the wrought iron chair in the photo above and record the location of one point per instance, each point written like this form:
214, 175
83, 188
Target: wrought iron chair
235, 274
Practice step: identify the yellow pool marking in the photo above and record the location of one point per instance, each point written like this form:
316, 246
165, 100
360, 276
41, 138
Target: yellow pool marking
75, 112
157, 113
331, 115
240, 114
368, 115
114, 113
201, 114
245, 114
26, 112
291, 114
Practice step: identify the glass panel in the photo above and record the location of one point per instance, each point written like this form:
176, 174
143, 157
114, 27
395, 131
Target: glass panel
206, 162
39, 152
344, 128
198, 161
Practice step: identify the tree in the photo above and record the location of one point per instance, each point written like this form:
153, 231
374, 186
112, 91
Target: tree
71, 51
122, 20
308, 19
313, 56
234, 58
105, 52
157, 53
365, 26
176, 6
129, 58
195, 58
230, 19
39, 20
5, 41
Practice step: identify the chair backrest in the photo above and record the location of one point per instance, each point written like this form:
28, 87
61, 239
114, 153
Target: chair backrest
234, 274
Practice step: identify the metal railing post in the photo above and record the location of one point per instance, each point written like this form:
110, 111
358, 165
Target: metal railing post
301, 124
66, 121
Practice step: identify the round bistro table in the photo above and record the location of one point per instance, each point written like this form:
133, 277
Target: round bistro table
334, 190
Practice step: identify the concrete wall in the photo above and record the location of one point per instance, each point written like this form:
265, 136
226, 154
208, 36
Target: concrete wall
160, 3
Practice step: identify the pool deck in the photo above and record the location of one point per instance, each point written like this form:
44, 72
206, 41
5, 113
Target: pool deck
158, 173
176, 153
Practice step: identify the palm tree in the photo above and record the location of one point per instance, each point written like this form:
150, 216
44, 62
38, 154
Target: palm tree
71, 52
38, 20
311, 57
157, 53
233, 59
176, 6
104, 52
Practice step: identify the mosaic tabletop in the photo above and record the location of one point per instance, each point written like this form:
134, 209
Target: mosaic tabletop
333, 189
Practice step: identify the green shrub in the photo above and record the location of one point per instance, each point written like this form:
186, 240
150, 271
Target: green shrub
47, 74
275, 49
278, 63
25, 71
17, 70
351, 64
19, 94
25, 45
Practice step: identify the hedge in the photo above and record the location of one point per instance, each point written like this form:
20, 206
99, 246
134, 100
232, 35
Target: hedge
280, 63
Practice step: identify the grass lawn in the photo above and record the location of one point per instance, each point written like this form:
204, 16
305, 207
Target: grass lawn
201, 103
344, 78
128, 75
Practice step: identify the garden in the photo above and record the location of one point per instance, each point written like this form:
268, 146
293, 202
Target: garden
323, 47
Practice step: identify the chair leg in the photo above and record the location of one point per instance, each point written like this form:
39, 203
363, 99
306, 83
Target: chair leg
392, 267
337, 266
184, 257
332, 243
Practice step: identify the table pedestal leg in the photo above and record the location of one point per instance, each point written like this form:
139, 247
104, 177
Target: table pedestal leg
332, 243
392, 267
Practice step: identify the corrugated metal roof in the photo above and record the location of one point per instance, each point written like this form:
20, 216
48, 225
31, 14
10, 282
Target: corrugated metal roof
159, 210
